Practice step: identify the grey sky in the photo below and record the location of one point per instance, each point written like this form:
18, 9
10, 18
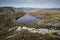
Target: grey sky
31, 3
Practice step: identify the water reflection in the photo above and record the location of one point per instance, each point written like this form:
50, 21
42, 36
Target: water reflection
27, 18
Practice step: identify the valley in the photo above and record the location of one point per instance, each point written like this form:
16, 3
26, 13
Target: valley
29, 23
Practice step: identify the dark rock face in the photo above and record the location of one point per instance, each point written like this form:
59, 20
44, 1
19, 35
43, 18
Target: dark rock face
27, 18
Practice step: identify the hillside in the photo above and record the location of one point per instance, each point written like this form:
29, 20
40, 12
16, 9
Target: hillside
8, 24
8, 16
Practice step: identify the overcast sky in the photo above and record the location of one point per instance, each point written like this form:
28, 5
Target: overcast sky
31, 3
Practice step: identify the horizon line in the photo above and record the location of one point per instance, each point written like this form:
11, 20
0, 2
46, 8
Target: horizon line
28, 7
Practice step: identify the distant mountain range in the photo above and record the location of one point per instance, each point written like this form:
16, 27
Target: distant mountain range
23, 8
39, 8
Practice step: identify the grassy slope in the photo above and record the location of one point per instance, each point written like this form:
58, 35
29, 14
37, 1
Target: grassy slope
7, 17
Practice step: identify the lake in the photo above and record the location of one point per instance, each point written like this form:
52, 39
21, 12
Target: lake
27, 18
